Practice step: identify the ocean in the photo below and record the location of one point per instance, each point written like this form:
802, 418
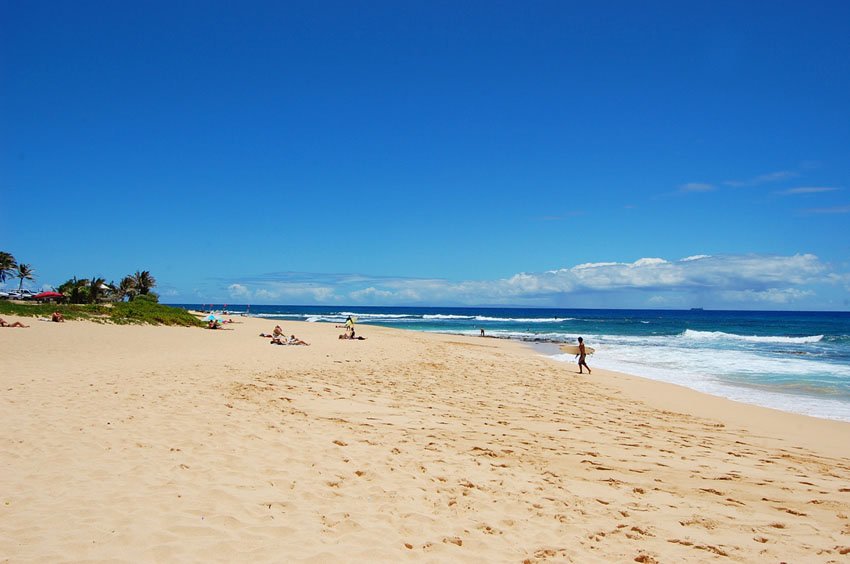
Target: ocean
792, 361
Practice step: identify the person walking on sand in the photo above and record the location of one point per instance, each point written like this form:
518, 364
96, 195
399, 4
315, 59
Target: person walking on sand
581, 356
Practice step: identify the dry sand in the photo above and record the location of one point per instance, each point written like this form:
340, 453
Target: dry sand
174, 444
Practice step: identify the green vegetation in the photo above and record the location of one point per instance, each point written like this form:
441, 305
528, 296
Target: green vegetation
24, 272
8, 265
142, 310
145, 309
94, 299
74, 290
143, 282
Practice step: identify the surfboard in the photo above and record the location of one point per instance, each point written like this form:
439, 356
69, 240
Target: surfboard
573, 349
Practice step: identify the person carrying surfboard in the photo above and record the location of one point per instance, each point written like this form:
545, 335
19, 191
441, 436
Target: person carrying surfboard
581, 356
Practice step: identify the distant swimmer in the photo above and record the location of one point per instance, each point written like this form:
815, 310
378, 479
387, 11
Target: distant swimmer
581, 356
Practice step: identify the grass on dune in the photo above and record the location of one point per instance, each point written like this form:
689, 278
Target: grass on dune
140, 311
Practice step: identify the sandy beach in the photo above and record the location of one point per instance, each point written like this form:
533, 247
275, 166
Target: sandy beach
140, 443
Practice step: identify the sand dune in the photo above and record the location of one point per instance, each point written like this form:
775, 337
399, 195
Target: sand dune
175, 444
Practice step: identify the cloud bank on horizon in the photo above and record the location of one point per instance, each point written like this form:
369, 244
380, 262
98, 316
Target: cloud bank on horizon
734, 281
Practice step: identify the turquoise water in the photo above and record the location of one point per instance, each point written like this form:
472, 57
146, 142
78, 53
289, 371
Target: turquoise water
793, 361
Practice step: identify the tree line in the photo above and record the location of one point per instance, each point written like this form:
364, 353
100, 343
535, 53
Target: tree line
84, 290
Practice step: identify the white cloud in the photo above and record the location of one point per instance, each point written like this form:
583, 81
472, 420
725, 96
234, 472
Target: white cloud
771, 295
369, 293
763, 179
238, 291
697, 272
729, 279
648, 262
807, 190
277, 291
832, 210
696, 187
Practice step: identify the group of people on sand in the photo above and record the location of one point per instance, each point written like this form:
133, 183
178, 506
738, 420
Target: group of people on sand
215, 323
56, 317
278, 337
350, 333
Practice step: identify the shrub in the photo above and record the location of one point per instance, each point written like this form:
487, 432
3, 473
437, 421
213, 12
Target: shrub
144, 309
139, 311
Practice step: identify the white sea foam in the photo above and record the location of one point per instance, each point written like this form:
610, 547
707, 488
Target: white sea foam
279, 315
524, 319
719, 335
740, 375
338, 317
442, 316
345, 314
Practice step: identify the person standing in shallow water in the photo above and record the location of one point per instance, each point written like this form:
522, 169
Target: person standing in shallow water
581, 356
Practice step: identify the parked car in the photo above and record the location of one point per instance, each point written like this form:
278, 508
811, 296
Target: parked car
4, 295
21, 295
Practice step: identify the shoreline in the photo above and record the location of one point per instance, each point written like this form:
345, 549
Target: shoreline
165, 443
549, 349
670, 396
797, 365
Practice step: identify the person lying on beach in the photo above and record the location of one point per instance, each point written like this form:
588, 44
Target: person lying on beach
350, 334
277, 332
57, 317
293, 340
4, 323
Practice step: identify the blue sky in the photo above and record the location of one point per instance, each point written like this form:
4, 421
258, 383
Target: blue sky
440, 153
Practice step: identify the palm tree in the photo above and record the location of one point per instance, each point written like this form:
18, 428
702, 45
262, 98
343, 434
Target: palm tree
95, 289
24, 273
8, 264
127, 288
75, 290
144, 281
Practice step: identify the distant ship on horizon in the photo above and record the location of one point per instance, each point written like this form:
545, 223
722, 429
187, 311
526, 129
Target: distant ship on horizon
697, 309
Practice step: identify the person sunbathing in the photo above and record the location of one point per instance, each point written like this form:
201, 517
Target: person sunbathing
57, 317
276, 333
350, 334
4, 323
293, 340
